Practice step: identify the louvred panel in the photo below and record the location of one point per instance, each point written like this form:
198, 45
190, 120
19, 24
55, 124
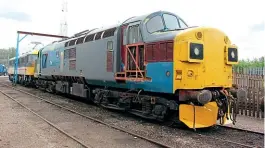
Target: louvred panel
109, 61
159, 51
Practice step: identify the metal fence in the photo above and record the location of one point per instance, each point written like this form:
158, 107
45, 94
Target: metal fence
252, 80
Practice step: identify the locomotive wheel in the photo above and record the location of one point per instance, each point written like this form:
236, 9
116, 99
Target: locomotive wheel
171, 119
169, 123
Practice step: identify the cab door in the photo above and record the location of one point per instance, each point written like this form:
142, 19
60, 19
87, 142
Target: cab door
131, 34
123, 46
135, 47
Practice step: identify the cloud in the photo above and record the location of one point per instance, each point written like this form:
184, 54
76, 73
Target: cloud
240, 25
257, 27
17, 16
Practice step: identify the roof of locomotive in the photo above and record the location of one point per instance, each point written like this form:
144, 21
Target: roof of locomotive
34, 52
95, 30
146, 16
141, 18
55, 45
135, 19
129, 20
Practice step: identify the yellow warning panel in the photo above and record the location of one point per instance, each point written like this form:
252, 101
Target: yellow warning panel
205, 116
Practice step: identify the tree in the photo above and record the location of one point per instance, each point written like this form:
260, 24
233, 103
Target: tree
247, 63
6, 54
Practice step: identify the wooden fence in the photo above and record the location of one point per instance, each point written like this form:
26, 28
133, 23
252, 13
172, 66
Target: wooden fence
252, 80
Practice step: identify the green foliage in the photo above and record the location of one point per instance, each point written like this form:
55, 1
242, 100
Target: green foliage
6, 54
256, 62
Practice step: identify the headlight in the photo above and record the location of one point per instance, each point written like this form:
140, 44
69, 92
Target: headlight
232, 55
191, 51
196, 51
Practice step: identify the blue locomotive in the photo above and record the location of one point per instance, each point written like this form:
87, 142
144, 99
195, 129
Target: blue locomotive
154, 66
3, 70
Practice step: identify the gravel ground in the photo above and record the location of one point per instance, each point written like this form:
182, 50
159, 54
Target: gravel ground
172, 136
91, 133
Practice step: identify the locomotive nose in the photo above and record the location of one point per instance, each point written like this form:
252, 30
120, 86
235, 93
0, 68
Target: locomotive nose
205, 56
203, 60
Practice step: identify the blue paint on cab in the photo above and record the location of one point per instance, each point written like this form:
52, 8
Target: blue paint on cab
160, 81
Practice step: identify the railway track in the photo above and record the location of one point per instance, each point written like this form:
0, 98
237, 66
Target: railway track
239, 129
232, 142
53, 125
137, 135
85, 116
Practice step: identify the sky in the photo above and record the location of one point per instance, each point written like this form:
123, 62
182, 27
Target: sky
242, 21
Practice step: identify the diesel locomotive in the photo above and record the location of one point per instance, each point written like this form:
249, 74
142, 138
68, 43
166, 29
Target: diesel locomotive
154, 66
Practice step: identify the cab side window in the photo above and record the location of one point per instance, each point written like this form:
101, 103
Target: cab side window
134, 35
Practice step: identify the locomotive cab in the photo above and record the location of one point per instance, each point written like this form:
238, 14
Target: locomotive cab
146, 41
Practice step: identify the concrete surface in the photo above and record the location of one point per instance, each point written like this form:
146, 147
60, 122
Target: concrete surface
19, 128
249, 123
